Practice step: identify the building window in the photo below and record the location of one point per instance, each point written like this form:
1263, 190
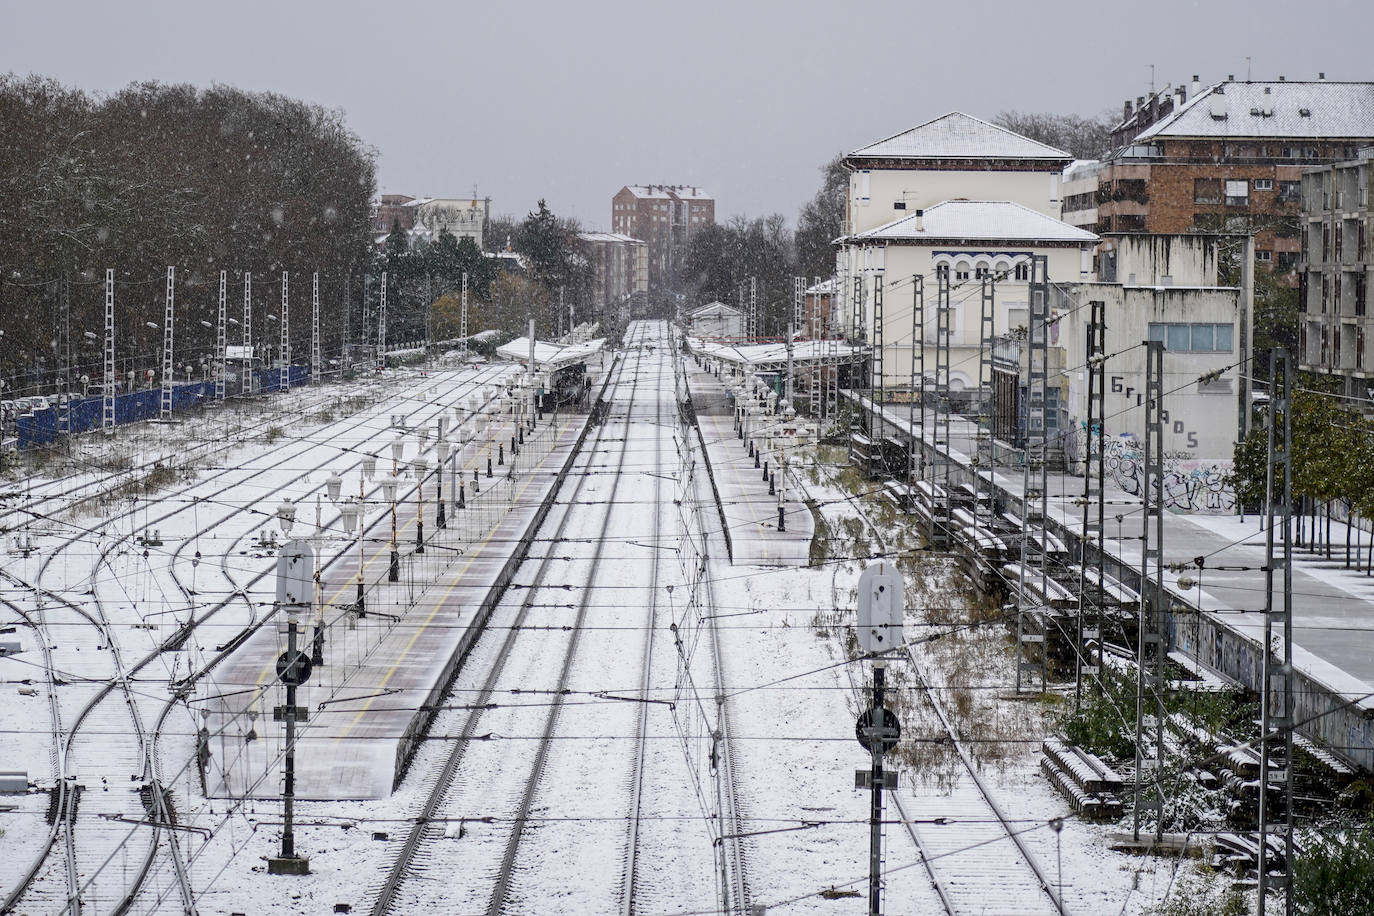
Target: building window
981, 272
1264, 184
1360, 302
1264, 257
1237, 193
1289, 191
1207, 190
942, 270
961, 271
1195, 337
1022, 271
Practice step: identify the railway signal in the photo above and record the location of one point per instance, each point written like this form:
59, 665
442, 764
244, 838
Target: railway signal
880, 611
295, 581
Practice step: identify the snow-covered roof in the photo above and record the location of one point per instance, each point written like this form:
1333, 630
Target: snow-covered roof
608, 237
772, 355
714, 308
958, 136
547, 354
668, 192
1002, 220
824, 288
1272, 109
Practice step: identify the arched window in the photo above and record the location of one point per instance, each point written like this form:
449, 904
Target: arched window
961, 270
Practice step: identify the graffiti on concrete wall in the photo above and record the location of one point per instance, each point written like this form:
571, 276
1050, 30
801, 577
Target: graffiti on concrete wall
1190, 484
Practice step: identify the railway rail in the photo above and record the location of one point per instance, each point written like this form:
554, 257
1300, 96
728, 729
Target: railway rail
972, 851
90, 835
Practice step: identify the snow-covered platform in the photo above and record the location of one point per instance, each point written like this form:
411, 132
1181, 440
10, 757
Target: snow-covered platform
751, 513
1333, 607
384, 671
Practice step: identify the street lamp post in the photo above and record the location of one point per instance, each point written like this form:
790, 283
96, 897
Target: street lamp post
389, 491
441, 450
348, 513
420, 467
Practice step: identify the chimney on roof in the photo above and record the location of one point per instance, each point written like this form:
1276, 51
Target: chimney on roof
1321, 76
1195, 88
920, 221
1182, 95
1230, 77
1140, 103
1126, 111
1280, 77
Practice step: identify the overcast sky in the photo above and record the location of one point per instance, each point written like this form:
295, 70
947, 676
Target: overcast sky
570, 101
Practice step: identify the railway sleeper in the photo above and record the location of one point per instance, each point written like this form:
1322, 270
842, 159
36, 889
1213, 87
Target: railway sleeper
62, 804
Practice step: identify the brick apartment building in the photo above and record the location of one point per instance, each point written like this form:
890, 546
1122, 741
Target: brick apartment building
665, 217
1230, 159
620, 279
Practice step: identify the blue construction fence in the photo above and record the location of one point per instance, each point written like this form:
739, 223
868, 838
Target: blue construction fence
42, 426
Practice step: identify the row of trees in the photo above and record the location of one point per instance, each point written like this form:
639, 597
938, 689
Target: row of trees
424, 281
157, 175
1333, 467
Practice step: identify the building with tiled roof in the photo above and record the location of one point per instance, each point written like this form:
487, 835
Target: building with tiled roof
954, 155
1228, 159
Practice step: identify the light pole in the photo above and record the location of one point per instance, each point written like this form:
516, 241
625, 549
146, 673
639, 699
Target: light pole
348, 513
420, 467
389, 491
456, 492
441, 450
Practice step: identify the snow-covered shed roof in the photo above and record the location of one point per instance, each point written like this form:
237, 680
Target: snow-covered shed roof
1301, 109
823, 288
959, 136
607, 237
712, 309
1001, 220
547, 354
774, 355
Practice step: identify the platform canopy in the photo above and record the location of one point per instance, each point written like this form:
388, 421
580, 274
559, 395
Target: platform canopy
549, 356
764, 357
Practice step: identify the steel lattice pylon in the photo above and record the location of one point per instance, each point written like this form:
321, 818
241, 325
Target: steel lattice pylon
1276, 700
167, 366
463, 317
1088, 659
877, 389
982, 416
381, 326
915, 456
107, 420
285, 355
1152, 649
247, 383
1031, 622
315, 329
221, 338
939, 515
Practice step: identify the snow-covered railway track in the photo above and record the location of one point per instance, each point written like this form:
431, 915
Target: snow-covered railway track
97, 826
497, 812
973, 853
75, 491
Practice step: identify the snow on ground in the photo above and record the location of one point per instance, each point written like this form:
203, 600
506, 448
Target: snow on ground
789, 684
